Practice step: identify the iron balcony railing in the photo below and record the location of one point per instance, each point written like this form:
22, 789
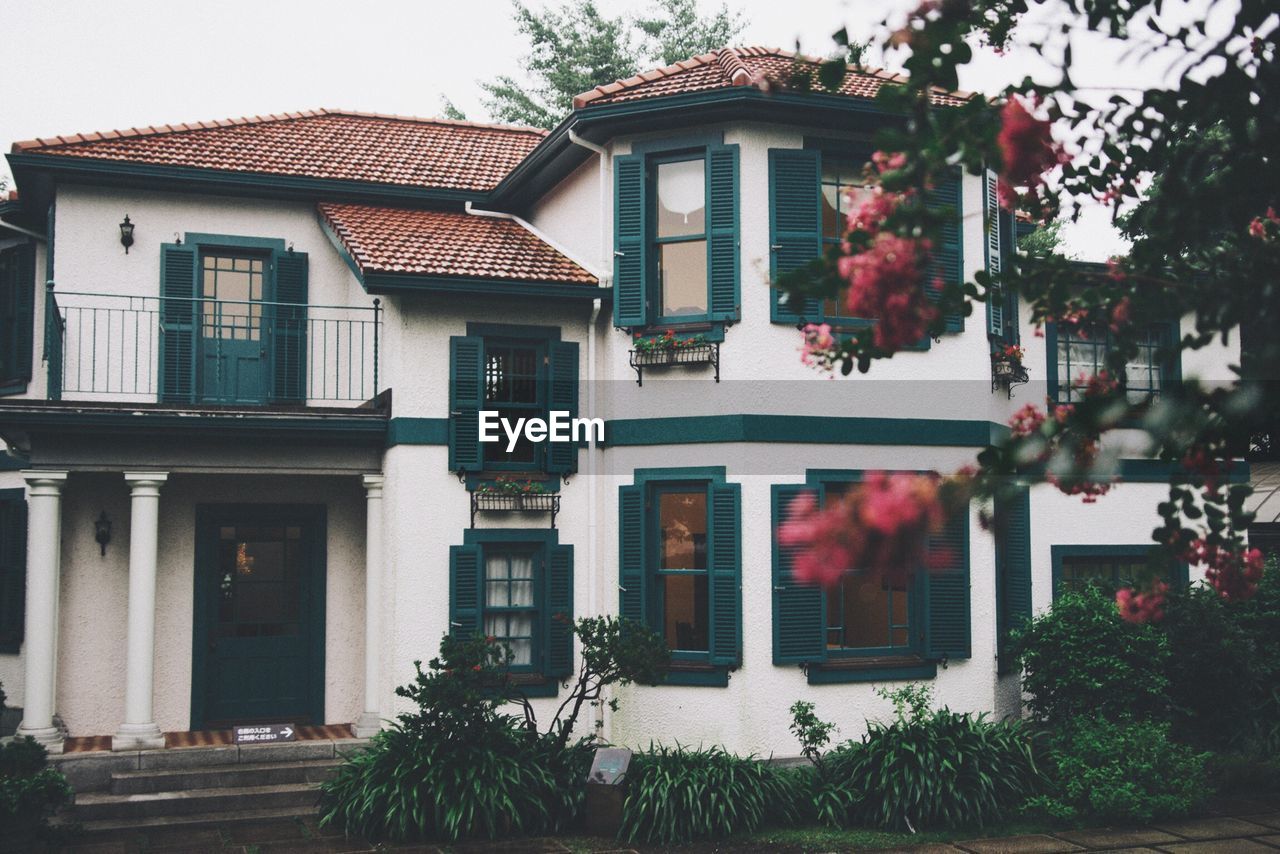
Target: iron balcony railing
207, 351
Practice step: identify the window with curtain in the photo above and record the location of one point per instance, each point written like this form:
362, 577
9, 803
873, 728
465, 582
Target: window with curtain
1146, 376
510, 605
680, 238
681, 571
844, 186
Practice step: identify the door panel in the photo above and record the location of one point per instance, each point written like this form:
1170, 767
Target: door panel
233, 347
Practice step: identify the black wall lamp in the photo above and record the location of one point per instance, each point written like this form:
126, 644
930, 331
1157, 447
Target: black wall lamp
126, 234
102, 531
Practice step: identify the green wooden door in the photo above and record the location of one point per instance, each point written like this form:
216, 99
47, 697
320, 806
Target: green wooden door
259, 616
232, 356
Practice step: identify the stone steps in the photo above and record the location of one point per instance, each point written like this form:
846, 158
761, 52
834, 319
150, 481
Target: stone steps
97, 829
228, 801
222, 777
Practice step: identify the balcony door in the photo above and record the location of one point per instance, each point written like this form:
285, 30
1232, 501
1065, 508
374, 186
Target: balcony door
232, 363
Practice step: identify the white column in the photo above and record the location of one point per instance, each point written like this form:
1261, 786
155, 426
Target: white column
44, 534
371, 719
139, 730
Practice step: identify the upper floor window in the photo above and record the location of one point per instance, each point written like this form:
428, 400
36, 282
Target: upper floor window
1075, 358
512, 370
845, 185
676, 237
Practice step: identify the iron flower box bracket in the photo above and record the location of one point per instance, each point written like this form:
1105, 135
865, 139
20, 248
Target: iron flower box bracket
1007, 373
507, 502
700, 354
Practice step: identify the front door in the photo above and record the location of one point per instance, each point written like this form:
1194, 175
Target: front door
232, 357
259, 616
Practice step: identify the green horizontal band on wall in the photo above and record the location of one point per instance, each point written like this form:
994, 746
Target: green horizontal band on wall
417, 431
1157, 471
800, 429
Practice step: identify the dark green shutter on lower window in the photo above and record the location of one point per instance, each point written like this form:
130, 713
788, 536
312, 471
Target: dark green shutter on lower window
177, 323
724, 562
630, 303
1013, 568
466, 397
558, 613
722, 233
13, 568
797, 608
466, 584
947, 591
562, 457
289, 341
795, 223
947, 263
631, 592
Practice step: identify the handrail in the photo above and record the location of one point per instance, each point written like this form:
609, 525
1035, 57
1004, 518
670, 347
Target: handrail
369, 308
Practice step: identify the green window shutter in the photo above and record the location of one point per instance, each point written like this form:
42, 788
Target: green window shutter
24, 310
289, 341
724, 562
466, 397
630, 263
558, 613
177, 323
1013, 565
13, 568
722, 232
798, 619
631, 580
947, 592
466, 583
795, 223
562, 457
994, 253
947, 262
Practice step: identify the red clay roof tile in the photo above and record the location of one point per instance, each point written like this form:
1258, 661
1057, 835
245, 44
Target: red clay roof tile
334, 144
447, 243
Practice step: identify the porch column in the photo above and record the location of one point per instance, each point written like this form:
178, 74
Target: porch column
139, 730
371, 718
44, 536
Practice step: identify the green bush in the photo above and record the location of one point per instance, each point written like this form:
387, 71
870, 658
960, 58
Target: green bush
29, 794
677, 795
928, 769
1122, 771
1081, 660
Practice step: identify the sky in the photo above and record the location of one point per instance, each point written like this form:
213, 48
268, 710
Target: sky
92, 66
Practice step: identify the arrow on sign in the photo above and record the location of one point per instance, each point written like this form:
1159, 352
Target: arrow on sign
287, 732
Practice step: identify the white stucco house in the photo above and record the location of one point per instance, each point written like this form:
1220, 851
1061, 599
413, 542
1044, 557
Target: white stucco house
269, 391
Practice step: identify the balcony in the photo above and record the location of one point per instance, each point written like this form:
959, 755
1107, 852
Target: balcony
115, 348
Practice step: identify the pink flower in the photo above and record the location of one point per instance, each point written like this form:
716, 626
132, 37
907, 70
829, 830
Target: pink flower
819, 347
1234, 574
1026, 421
885, 283
1145, 607
1121, 314
1027, 149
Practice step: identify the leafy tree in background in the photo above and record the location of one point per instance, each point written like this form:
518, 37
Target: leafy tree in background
1045, 240
574, 47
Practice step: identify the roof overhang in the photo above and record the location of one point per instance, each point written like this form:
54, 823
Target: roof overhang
401, 283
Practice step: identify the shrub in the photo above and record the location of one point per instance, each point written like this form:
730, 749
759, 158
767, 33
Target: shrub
928, 769
676, 795
1123, 771
29, 794
1080, 660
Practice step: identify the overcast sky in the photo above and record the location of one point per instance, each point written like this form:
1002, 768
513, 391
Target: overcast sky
91, 66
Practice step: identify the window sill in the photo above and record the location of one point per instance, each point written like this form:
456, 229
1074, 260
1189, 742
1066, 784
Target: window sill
535, 685
871, 669
697, 673
12, 387
548, 482
711, 330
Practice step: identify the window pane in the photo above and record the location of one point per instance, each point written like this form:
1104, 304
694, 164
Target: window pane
1108, 572
866, 612
682, 269
682, 193
682, 520
686, 612
511, 374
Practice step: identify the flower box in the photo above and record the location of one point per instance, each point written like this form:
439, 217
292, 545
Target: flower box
688, 354
505, 502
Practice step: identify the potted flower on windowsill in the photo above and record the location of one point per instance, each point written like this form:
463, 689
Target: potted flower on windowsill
517, 489
656, 347
1007, 367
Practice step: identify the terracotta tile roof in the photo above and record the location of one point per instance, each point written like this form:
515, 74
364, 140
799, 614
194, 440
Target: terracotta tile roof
331, 144
447, 243
743, 66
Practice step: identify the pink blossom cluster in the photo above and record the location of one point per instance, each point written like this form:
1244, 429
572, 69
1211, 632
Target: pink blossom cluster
875, 208
1144, 607
885, 283
1026, 421
1199, 460
819, 347
880, 526
1028, 150
1234, 574
1258, 228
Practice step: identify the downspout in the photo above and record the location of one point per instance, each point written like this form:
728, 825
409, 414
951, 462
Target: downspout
593, 511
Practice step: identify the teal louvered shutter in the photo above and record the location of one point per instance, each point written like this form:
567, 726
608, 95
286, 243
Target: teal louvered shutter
631, 571
797, 608
795, 224
558, 614
630, 250
177, 323
562, 457
947, 591
13, 568
994, 253
289, 338
947, 261
724, 570
466, 583
1013, 565
466, 398
24, 311
722, 232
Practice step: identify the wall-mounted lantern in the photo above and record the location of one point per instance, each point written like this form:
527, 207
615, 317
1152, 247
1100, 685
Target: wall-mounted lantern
102, 531
126, 234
